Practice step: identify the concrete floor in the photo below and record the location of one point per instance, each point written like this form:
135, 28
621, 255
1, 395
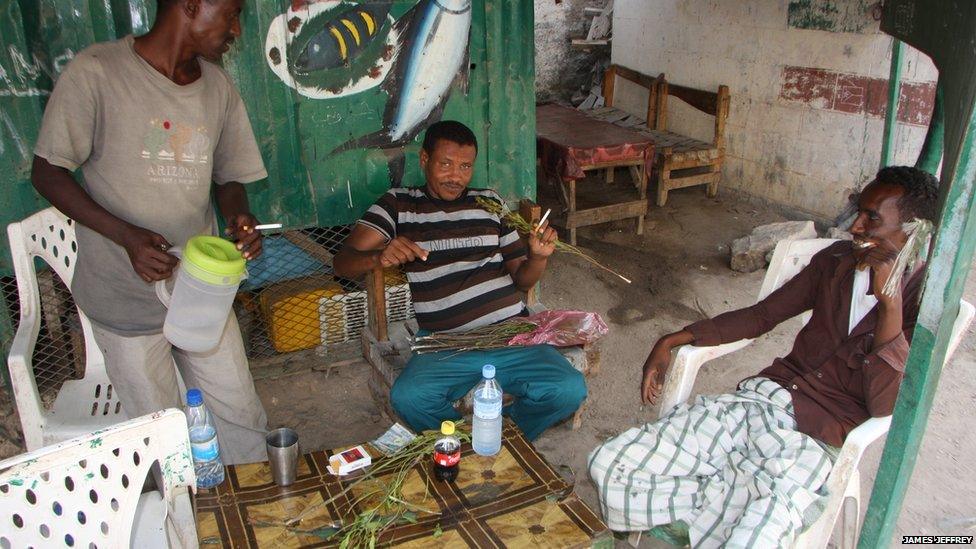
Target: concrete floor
680, 273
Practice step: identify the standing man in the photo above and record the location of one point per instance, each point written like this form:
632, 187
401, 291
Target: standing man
466, 269
153, 122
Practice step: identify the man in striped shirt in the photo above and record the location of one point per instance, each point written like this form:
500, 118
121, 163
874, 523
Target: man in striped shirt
466, 269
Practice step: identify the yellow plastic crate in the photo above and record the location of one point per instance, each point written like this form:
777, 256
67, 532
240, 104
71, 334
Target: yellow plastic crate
291, 310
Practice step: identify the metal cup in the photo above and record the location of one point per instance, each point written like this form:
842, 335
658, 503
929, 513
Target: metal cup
283, 455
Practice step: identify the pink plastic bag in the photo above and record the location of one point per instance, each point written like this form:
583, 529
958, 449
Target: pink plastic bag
563, 329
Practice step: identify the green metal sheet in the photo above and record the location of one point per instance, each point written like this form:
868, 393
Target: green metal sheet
339, 187
946, 31
307, 184
511, 70
20, 95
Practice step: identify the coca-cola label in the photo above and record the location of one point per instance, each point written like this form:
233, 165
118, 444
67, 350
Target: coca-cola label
447, 460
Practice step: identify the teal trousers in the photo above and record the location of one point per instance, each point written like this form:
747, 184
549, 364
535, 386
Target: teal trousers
545, 385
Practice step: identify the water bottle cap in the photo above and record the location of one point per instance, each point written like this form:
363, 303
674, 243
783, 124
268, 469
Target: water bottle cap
194, 397
488, 371
447, 428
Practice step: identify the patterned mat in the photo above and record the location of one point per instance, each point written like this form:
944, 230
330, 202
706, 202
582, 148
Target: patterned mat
515, 499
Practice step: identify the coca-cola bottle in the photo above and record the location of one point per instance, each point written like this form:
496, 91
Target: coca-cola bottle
447, 454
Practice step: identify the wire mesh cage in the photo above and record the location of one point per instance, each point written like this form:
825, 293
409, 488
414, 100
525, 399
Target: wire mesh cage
59, 353
292, 302
291, 306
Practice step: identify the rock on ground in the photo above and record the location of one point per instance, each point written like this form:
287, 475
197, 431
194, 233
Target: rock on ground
837, 232
749, 253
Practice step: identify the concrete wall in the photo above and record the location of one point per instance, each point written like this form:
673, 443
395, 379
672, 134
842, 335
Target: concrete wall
806, 118
561, 70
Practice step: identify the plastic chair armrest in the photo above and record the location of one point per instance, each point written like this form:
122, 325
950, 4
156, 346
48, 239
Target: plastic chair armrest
843, 472
963, 320
681, 376
855, 444
22, 380
866, 433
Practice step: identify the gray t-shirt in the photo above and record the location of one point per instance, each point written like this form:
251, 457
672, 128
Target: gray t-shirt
148, 149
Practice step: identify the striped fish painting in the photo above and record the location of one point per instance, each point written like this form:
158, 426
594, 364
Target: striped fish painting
342, 38
332, 48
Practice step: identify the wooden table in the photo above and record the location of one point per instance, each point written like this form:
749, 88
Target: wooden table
515, 499
571, 143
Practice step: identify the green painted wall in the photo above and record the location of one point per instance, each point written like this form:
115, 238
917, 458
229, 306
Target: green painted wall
306, 186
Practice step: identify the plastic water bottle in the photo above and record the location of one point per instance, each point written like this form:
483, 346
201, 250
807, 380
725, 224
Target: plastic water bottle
486, 427
203, 442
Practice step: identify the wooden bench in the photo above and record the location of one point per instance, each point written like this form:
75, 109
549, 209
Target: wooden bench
680, 161
386, 345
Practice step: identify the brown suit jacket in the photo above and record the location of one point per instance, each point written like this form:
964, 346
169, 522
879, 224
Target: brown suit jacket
836, 380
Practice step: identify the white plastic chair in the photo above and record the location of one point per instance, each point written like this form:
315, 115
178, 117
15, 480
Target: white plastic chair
843, 484
82, 405
86, 492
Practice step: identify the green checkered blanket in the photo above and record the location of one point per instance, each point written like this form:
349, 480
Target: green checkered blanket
732, 467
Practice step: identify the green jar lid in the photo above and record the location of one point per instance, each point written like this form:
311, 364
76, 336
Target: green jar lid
213, 259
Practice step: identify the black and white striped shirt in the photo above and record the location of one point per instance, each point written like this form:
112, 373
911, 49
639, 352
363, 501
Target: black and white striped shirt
464, 283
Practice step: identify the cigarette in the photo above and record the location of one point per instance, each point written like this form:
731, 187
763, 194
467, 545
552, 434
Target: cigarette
862, 245
267, 226
544, 217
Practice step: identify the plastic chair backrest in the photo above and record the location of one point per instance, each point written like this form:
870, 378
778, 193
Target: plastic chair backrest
789, 258
50, 236
84, 492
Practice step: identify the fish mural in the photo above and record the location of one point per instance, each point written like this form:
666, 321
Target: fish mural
332, 48
432, 57
424, 54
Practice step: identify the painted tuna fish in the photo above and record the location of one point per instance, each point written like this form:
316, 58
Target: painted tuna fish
432, 55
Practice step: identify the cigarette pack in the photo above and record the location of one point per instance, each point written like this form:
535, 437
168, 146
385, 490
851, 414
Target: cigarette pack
347, 461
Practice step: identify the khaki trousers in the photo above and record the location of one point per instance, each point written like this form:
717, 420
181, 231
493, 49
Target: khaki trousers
142, 373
